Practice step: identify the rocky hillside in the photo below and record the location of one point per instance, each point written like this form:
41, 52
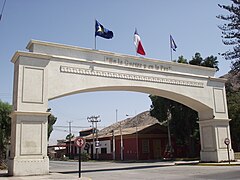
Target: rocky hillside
233, 80
141, 119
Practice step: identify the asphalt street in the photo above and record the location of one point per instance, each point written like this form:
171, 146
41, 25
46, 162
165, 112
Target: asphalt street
145, 170
140, 170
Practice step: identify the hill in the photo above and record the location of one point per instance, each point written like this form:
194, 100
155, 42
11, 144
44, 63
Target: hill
233, 80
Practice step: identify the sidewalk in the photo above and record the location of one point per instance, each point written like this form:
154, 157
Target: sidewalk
237, 163
3, 176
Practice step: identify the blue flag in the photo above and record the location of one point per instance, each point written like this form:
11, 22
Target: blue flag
173, 44
102, 32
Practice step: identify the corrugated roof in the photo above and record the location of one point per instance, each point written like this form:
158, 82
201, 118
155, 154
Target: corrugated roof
129, 125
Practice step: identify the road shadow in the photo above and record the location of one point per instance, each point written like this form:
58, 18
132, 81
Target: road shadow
114, 169
225, 175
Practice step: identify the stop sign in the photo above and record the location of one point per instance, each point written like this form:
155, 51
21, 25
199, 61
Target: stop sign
79, 142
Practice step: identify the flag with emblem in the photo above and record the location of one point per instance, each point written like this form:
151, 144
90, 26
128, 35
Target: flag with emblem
102, 31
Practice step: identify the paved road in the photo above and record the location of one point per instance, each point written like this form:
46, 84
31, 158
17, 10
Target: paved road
151, 170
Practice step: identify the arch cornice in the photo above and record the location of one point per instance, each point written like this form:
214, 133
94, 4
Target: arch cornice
96, 63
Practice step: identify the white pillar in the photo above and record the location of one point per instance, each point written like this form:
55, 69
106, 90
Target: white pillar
28, 154
212, 134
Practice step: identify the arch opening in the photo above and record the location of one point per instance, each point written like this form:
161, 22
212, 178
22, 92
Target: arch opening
180, 98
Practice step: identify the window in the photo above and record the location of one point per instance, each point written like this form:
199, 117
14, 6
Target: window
103, 150
145, 146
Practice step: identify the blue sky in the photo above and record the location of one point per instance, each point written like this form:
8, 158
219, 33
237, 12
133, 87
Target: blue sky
193, 25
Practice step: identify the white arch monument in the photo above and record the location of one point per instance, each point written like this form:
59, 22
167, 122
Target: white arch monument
49, 70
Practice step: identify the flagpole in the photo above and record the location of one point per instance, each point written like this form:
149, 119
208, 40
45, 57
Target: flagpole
171, 52
2, 10
170, 46
95, 43
95, 34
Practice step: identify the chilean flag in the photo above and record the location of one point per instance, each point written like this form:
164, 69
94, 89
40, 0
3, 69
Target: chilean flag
138, 44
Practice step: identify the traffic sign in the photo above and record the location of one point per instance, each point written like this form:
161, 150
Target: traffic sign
79, 142
97, 144
87, 146
227, 141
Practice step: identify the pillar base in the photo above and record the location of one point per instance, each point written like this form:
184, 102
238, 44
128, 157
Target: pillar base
213, 133
217, 155
28, 154
23, 167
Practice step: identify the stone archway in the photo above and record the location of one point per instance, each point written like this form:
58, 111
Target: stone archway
50, 71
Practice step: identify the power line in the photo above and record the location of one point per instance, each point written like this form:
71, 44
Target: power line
74, 126
2, 10
62, 130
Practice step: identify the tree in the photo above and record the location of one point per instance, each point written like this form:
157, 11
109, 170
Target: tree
5, 127
196, 60
183, 123
51, 121
231, 37
210, 61
233, 101
70, 136
182, 60
231, 33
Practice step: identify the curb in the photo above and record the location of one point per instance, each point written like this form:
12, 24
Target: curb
186, 163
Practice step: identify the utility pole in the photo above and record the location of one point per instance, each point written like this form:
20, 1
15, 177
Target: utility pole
95, 119
137, 138
70, 137
93, 132
169, 147
121, 137
121, 141
113, 144
137, 153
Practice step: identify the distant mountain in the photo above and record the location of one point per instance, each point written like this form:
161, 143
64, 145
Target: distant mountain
140, 120
233, 80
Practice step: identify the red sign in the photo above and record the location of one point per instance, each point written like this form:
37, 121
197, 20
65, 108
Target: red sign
227, 141
79, 142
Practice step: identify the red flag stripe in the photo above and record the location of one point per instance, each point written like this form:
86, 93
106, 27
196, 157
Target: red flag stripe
140, 49
138, 44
